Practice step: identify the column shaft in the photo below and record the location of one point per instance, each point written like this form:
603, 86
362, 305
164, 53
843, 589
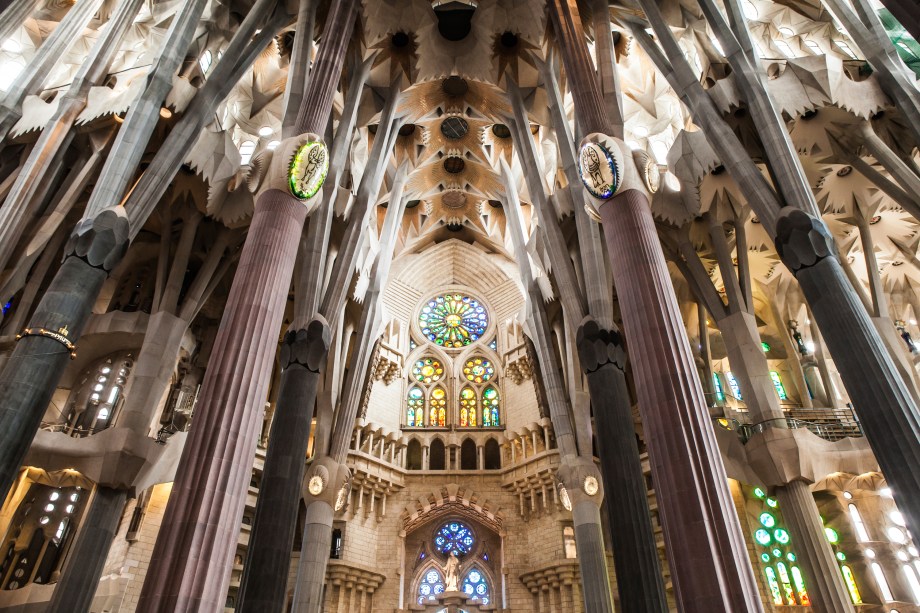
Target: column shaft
590, 541
189, 569
709, 563
86, 558
635, 553
311, 574
269, 556
822, 574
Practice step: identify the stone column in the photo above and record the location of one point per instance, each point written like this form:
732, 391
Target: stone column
886, 409
822, 573
905, 11
709, 562
14, 16
265, 573
86, 558
311, 574
635, 553
189, 569
43, 351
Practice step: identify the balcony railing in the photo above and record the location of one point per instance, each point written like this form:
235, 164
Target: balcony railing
829, 424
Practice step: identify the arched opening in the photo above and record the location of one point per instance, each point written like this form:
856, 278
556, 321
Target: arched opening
414, 455
436, 455
493, 455
468, 455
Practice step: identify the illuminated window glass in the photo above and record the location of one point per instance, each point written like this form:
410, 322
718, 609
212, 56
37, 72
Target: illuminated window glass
478, 370
882, 582
851, 584
432, 584
784, 48
490, 407
476, 587
427, 370
799, 582
815, 47
767, 520
786, 584
845, 48
720, 394
774, 585
733, 385
778, 384
453, 320
468, 407
415, 407
861, 531
454, 537
246, 151
911, 577
205, 60
438, 411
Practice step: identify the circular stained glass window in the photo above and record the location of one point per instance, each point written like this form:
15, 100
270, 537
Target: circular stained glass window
453, 320
430, 587
762, 537
767, 520
478, 370
475, 586
781, 536
454, 537
427, 370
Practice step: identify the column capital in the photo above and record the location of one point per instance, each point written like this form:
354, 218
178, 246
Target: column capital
802, 240
298, 166
101, 241
582, 481
327, 481
608, 166
307, 347
598, 347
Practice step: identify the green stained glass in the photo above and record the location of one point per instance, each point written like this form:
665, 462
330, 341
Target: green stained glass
759, 492
767, 520
831, 534
787, 585
778, 384
790, 556
415, 407
427, 370
774, 585
490, 407
765, 557
778, 553
771, 502
799, 583
781, 536
841, 556
453, 320
762, 537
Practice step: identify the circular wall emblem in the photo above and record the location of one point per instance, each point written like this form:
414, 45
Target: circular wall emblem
308, 170
591, 485
316, 485
341, 498
652, 176
564, 498
598, 170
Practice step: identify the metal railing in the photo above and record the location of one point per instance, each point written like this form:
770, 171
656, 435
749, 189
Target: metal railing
829, 424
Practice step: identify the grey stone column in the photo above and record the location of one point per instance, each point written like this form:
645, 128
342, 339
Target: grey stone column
265, 574
86, 558
822, 574
905, 11
635, 553
886, 409
311, 574
14, 16
32, 373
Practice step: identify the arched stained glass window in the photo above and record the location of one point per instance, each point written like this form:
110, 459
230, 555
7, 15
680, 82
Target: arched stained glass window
490, 407
453, 320
478, 370
468, 408
431, 585
438, 411
415, 407
454, 537
475, 585
427, 370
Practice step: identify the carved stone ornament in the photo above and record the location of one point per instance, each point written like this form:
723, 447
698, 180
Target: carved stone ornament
649, 170
597, 347
306, 347
100, 241
600, 165
802, 240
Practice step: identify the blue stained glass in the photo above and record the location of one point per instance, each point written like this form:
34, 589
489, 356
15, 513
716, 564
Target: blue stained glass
453, 320
476, 586
431, 585
454, 537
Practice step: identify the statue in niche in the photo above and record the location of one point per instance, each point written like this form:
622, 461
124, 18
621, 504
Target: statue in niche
452, 573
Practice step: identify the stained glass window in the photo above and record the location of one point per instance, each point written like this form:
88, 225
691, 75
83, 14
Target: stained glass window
415, 407
778, 384
490, 406
438, 408
733, 385
453, 320
720, 395
475, 586
478, 370
432, 584
468, 408
851, 584
427, 370
454, 537
774, 585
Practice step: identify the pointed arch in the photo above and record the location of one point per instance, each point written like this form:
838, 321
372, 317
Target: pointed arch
415, 407
476, 585
468, 455
437, 455
438, 410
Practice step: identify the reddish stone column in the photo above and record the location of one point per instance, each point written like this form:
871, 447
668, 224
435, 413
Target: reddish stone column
190, 567
708, 558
